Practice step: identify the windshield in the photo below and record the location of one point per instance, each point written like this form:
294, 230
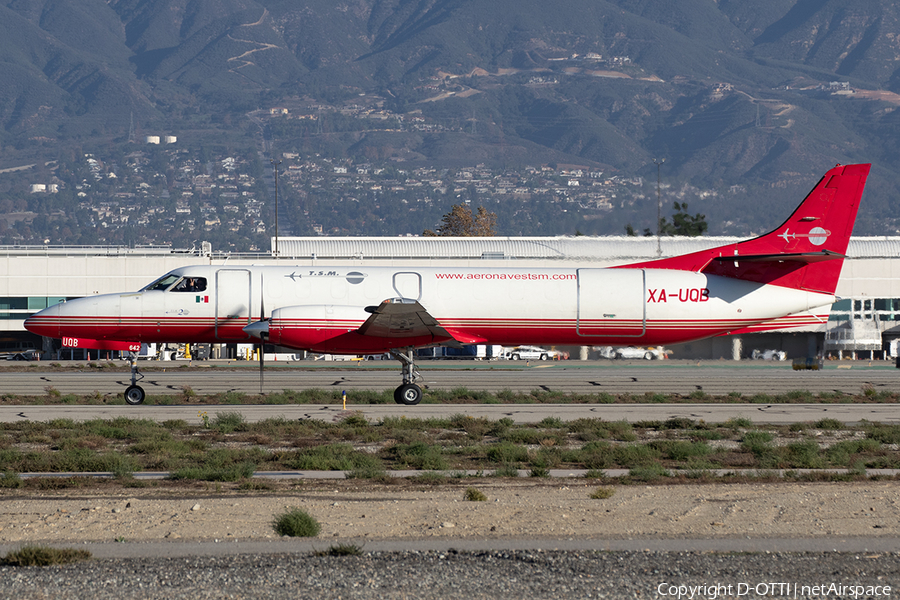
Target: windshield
163, 283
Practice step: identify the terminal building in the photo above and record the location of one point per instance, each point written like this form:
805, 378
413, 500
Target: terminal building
864, 323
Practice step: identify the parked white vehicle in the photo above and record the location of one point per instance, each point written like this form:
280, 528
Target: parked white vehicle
531, 353
768, 355
631, 352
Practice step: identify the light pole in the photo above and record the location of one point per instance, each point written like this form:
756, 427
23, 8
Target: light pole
275, 166
658, 162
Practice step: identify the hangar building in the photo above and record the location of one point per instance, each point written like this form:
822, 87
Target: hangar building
863, 323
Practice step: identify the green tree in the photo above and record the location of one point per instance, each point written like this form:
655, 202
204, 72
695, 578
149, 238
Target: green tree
460, 222
683, 223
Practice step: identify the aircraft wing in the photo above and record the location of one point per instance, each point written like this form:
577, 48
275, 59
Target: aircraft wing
402, 318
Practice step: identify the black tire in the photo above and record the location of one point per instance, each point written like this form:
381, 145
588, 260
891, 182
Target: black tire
408, 394
648, 356
543, 357
515, 357
134, 395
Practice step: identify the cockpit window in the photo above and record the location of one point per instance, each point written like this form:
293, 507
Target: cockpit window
163, 283
191, 284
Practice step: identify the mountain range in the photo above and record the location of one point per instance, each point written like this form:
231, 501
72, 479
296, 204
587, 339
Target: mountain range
761, 95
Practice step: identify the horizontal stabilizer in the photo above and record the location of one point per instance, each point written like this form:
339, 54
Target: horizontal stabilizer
798, 257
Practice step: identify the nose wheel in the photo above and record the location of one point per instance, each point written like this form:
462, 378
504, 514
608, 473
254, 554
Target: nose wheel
408, 394
134, 394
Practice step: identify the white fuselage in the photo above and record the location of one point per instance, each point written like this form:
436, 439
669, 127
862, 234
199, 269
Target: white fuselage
579, 306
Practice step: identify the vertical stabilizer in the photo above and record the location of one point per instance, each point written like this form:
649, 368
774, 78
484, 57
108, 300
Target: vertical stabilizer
805, 252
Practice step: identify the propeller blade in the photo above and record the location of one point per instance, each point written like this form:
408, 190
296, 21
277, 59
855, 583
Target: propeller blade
263, 335
262, 361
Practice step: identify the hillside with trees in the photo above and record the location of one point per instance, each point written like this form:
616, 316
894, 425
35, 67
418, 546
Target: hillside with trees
748, 101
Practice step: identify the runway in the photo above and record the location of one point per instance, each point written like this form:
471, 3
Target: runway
776, 414
638, 378
715, 378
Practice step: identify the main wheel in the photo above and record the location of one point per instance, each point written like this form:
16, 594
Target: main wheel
543, 357
648, 356
408, 394
515, 357
134, 395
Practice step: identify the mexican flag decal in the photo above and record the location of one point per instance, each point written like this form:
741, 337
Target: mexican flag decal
203, 299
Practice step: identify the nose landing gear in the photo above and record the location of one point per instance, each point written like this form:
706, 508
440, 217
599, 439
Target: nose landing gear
134, 394
408, 394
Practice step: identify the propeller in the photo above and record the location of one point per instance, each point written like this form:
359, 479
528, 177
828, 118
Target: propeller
263, 334
260, 329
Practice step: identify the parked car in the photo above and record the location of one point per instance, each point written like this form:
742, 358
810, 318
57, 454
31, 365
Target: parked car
768, 355
637, 352
531, 353
30, 354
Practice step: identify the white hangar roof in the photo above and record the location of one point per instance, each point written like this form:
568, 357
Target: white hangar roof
545, 248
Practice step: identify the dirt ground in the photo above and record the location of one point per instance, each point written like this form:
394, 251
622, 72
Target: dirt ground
528, 509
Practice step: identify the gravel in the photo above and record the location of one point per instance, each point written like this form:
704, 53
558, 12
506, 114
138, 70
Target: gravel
471, 575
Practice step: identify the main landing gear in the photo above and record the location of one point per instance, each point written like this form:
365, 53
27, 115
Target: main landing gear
134, 394
409, 393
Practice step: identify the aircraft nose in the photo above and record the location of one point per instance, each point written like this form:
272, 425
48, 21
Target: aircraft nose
45, 322
258, 329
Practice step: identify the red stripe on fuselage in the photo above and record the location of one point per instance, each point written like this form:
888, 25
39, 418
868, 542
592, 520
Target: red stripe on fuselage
312, 334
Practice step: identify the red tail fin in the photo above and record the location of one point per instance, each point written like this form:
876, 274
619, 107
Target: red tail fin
805, 252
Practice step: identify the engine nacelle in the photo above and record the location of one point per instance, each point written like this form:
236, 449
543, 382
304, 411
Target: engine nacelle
331, 329
309, 326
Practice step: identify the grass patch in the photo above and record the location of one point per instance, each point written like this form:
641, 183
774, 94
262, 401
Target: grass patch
341, 550
44, 556
431, 478
296, 522
474, 495
652, 472
373, 471
506, 471
10, 480
215, 473
602, 493
539, 472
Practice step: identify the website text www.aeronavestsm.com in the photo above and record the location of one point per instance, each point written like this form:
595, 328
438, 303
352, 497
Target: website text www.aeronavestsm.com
779, 589
508, 276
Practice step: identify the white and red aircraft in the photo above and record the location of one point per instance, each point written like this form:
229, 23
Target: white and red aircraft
782, 279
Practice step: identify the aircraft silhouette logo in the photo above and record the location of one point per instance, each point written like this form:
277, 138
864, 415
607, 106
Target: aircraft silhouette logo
817, 236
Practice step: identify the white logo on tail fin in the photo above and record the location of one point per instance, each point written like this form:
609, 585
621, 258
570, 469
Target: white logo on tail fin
817, 236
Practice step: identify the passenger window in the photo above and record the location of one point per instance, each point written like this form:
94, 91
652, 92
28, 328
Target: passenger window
191, 284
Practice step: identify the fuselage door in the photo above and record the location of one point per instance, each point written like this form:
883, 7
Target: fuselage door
233, 293
611, 303
408, 285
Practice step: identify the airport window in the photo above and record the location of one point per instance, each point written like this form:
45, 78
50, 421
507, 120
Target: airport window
842, 304
20, 307
13, 303
13, 307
